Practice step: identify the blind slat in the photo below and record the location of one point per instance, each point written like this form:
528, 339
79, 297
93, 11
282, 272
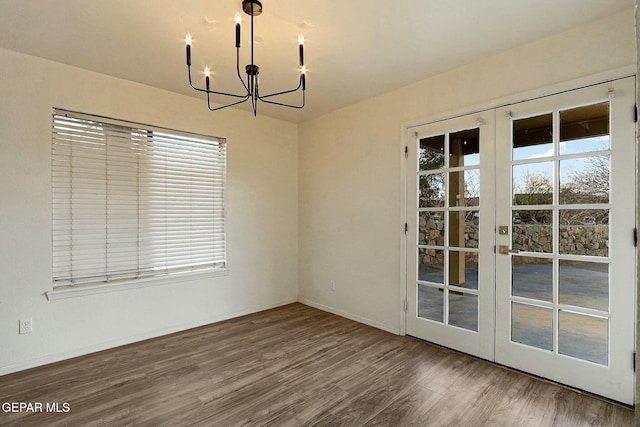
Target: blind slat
133, 200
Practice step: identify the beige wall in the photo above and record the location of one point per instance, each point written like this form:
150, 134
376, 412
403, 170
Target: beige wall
262, 208
350, 179
313, 209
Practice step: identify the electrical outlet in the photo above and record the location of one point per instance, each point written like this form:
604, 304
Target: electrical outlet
26, 326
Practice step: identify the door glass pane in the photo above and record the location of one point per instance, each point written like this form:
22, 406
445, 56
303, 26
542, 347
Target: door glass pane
464, 229
532, 230
583, 337
584, 180
584, 232
586, 145
464, 148
532, 326
463, 269
584, 284
431, 153
431, 228
533, 184
430, 303
463, 310
533, 137
431, 265
532, 277
431, 191
584, 129
464, 188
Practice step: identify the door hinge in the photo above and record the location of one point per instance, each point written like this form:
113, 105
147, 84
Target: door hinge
406, 152
635, 237
405, 307
634, 360
635, 113
406, 228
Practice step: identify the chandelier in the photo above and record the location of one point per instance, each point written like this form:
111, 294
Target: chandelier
251, 85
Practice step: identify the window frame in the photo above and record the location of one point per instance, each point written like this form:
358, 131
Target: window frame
152, 188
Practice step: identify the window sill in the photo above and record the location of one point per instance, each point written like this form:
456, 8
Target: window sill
100, 288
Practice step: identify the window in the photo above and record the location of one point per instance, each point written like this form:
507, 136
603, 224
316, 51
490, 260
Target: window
133, 201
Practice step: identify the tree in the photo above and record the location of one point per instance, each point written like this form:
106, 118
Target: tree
432, 185
587, 186
534, 188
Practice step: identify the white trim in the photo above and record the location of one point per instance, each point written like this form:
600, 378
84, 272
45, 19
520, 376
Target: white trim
404, 142
350, 316
28, 364
123, 285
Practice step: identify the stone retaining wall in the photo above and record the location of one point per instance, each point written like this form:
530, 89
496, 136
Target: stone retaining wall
574, 239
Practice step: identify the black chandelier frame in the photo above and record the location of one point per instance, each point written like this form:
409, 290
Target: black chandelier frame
252, 8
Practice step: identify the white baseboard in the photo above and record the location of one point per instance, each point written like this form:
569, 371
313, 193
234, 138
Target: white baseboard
28, 364
350, 316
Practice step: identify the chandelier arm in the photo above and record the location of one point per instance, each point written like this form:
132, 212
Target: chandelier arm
261, 98
211, 91
225, 106
287, 105
238, 68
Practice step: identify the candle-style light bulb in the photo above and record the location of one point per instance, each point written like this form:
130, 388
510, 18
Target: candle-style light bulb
301, 43
207, 75
238, 21
188, 41
303, 77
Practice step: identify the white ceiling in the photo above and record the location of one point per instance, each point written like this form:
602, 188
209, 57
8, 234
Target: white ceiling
355, 49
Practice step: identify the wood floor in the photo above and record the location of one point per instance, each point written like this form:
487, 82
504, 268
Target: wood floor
294, 366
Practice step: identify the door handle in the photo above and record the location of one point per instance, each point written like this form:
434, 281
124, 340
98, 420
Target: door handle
504, 250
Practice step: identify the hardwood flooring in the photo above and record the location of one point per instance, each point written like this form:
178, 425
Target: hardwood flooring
294, 366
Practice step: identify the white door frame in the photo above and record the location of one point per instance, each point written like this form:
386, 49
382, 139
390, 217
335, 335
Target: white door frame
406, 135
432, 117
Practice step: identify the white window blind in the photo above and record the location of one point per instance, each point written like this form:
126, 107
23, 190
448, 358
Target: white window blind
133, 201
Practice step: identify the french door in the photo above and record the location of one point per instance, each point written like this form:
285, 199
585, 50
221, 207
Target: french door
450, 247
520, 247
